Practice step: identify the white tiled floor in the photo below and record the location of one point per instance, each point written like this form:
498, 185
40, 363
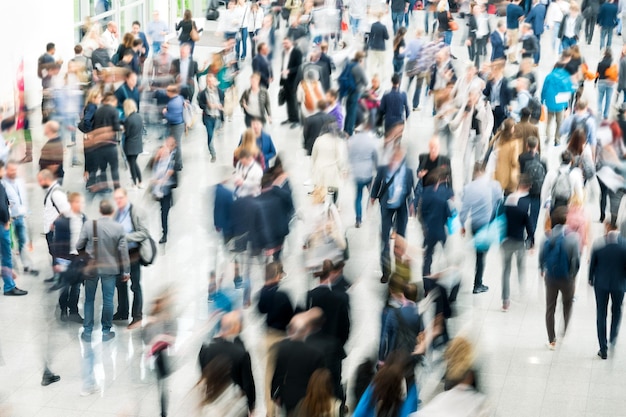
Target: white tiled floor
520, 375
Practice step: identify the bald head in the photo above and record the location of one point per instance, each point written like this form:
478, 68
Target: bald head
230, 325
51, 129
433, 147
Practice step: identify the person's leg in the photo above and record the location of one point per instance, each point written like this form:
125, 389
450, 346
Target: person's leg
609, 35
538, 53
552, 293
604, 197
426, 20
358, 200
402, 218
122, 299
90, 294
535, 207
244, 41
63, 300
135, 287
559, 120
550, 117
351, 111
166, 204
292, 106
419, 81
209, 124
156, 48
507, 253
429, 250
480, 268
132, 159
447, 37
602, 37
601, 91
74, 294
555, 35
385, 230
608, 95
615, 198
520, 257
617, 297
108, 290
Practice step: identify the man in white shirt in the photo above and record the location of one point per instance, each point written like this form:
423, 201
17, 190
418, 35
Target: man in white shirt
110, 38
248, 175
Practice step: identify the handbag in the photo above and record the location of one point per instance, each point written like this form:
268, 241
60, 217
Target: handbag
453, 25
282, 96
90, 271
193, 34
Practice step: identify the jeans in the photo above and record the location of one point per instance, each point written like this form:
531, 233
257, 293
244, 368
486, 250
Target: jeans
352, 102
480, 49
177, 132
447, 37
397, 65
605, 92
108, 290
135, 171
354, 25
397, 18
480, 260
567, 43
243, 41
7, 262
602, 304
209, 124
410, 12
615, 200
108, 158
606, 37
426, 20
512, 247
553, 286
156, 48
419, 82
390, 216
473, 153
360, 184
135, 287
166, 205
538, 53
21, 234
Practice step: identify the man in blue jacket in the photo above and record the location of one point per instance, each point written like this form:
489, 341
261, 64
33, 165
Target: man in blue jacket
394, 106
263, 141
607, 276
607, 20
498, 42
536, 17
555, 94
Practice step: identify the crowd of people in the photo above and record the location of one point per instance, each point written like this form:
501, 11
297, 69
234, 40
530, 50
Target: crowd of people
493, 115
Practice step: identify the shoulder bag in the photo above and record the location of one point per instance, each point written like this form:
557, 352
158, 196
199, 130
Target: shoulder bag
91, 268
452, 24
194, 34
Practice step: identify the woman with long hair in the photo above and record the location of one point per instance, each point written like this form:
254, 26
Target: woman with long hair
186, 26
398, 50
319, 400
92, 102
133, 139
248, 142
607, 77
219, 395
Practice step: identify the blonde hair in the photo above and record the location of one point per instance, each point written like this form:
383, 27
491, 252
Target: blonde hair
460, 357
442, 6
248, 142
92, 94
130, 107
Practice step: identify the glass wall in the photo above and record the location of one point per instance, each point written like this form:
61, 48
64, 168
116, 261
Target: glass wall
122, 12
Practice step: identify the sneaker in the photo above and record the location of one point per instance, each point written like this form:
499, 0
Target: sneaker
85, 337
119, 317
135, 324
15, 291
505, 305
480, 289
49, 378
551, 345
238, 282
213, 159
63, 316
75, 318
108, 336
89, 391
32, 272
602, 354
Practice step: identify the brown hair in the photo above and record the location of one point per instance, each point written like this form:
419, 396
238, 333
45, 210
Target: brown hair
577, 142
248, 142
387, 392
215, 378
319, 394
128, 40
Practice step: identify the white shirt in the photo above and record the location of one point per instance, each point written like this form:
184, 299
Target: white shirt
251, 176
55, 203
255, 20
110, 42
16, 193
482, 23
286, 58
570, 24
230, 20
184, 70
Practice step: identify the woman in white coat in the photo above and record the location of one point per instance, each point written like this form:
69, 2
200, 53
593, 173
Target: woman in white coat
329, 160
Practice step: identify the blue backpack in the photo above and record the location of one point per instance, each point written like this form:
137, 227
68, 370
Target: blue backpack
347, 84
555, 260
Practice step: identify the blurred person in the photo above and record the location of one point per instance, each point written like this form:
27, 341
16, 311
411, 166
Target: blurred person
242, 31
156, 31
319, 399
248, 143
228, 343
498, 94
296, 361
525, 129
92, 101
559, 261
429, 162
110, 38
555, 12
261, 64
423, 71
607, 20
255, 102
47, 66
480, 200
334, 108
352, 99
518, 237
443, 20
255, 23
607, 275
441, 73
526, 70
130, 217
291, 61
581, 154
329, 161
514, 14
184, 69
578, 220
536, 18
211, 101
582, 119
561, 184
393, 188
570, 27
111, 254
483, 34
522, 99
84, 66
128, 90
9, 288
19, 210
590, 8
555, 95
464, 85
399, 46
531, 165
185, 26
123, 49
376, 46
363, 158
394, 106
530, 46
313, 125
160, 71
173, 113
105, 151
133, 140
371, 100
220, 395
54, 203
607, 77
309, 92
164, 179
507, 150
144, 49
610, 153
52, 151
6, 128
278, 310
247, 176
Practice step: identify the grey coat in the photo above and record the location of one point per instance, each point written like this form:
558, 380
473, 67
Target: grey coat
140, 235
112, 256
621, 80
133, 132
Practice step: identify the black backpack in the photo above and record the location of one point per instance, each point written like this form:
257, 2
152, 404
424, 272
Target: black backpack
534, 105
405, 336
537, 173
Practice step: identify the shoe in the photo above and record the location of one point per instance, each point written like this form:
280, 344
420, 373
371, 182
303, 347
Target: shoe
285, 122
26, 160
551, 345
238, 282
480, 289
75, 318
63, 316
357, 224
85, 337
135, 324
384, 279
108, 336
452, 56
32, 272
140, 186
602, 217
213, 159
87, 392
417, 108
119, 317
163, 239
505, 305
601, 353
16, 291
48, 280
515, 63
294, 125
49, 378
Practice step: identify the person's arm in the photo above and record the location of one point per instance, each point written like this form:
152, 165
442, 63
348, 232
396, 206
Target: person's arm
81, 244
140, 232
593, 262
122, 250
271, 151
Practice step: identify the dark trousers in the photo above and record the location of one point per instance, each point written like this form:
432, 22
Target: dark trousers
590, 25
553, 287
429, 250
390, 217
135, 287
166, 204
293, 113
108, 158
481, 50
614, 198
252, 35
537, 54
68, 298
135, 172
50, 242
352, 103
419, 82
162, 369
602, 304
91, 167
535, 207
499, 115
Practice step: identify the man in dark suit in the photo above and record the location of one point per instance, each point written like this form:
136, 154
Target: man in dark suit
102, 148
498, 93
184, 70
228, 343
292, 59
296, 360
498, 41
261, 65
536, 17
326, 63
314, 124
393, 187
607, 276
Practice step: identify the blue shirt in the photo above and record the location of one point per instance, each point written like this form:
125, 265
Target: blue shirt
174, 113
123, 218
396, 192
513, 13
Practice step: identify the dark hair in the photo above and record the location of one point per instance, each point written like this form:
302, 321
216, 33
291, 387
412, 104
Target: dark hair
244, 153
106, 208
411, 292
136, 22
505, 133
532, 142
559, 216
7, 123
50, 46
525, 113
319, 394
1, 164
137, 42
333, 93
322, 105
260, 46
128, 52
398, 38
216, 378
395, 79
566, 157
78, 49
577, 142
187, 15
387, 384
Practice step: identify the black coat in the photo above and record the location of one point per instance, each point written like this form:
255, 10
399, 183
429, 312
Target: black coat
277, 306
295, 60
312, 128
336, 308
191, 73
607, 267
133, 134
262, 65
106, 115
241, 369
295, 363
